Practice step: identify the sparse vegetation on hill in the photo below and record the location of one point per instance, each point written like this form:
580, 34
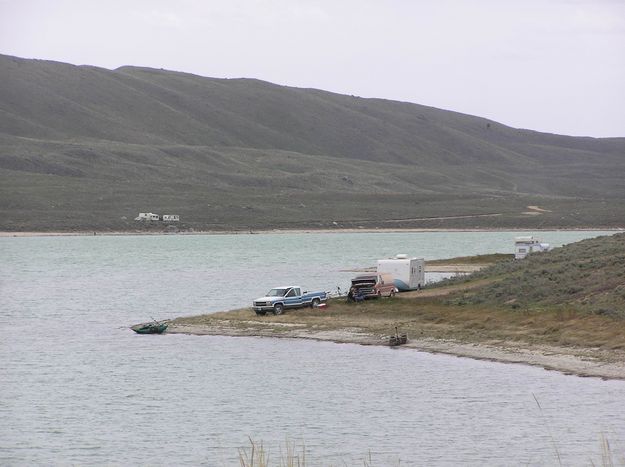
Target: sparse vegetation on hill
88, 148
473, 260
583, 276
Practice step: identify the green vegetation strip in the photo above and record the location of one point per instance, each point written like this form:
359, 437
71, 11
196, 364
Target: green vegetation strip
472, 260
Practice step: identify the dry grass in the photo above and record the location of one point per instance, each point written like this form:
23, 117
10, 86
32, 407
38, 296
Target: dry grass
474, 260
588, 276
430, 317
439, 291
256, 455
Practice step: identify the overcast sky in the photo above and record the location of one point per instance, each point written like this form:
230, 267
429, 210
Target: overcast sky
549, 65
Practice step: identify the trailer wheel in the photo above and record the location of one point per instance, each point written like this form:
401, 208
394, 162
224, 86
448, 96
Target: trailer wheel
278, 309
315, 303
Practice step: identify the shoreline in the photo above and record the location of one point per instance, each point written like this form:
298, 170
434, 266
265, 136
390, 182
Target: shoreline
577, 362
92, 233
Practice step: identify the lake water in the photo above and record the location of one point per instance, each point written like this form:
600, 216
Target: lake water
78, 387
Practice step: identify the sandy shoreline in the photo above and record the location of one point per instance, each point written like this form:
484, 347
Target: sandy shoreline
578, 362
92, 233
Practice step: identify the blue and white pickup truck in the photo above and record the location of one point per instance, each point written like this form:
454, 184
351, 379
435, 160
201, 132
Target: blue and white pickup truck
280, 298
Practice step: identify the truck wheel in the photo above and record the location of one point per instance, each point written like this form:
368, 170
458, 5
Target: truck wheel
261, 313
278, 309
392, 294
315, 303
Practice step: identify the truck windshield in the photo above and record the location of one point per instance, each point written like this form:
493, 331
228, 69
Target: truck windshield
276, 292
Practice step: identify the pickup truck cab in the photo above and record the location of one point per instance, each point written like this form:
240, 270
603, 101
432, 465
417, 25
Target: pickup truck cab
279, 299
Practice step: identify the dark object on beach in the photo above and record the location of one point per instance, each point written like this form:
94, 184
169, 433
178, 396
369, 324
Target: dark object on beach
397, 339
355, 295
155, 327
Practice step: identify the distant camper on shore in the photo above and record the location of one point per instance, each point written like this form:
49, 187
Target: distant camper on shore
150, 216
523, 246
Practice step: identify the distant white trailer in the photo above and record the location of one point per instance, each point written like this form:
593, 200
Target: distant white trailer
408, 273
523, 246
147, 216
171, 218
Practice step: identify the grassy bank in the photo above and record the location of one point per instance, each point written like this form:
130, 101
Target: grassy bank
480, 260
583, 277
431, 317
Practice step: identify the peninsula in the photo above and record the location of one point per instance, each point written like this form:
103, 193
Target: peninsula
561, 310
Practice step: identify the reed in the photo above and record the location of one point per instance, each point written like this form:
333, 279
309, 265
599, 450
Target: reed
293, 456
257, 456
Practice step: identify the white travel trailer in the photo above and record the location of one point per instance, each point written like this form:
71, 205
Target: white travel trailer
171, 218
147, 216
523, 246
408, 273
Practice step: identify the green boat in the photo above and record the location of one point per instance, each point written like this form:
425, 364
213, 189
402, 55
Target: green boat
155, 327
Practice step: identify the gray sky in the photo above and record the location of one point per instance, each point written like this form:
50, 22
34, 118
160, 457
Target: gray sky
549, 65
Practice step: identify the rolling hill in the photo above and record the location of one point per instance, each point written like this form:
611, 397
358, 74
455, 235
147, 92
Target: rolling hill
86, 148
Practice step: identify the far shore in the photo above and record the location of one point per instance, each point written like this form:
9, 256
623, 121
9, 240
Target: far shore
91, 233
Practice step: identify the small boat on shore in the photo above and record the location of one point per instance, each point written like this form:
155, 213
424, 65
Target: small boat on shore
154, 327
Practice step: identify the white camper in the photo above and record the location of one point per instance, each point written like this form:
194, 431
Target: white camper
408, 273
147, 216
523, 246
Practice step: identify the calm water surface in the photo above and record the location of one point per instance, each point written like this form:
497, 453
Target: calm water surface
78, 387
